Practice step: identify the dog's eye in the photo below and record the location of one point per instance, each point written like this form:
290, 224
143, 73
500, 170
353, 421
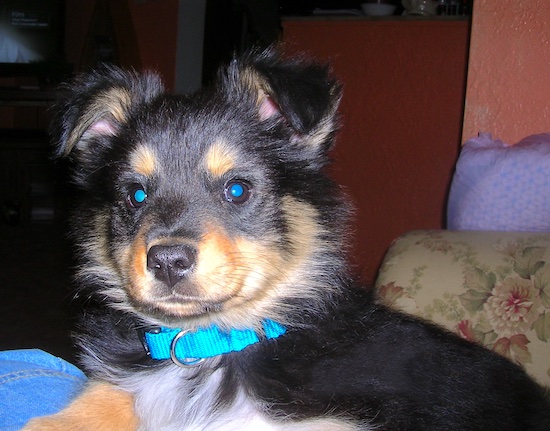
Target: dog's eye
237, 191
137, 196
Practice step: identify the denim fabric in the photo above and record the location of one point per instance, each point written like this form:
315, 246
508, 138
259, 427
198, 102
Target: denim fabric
34, 383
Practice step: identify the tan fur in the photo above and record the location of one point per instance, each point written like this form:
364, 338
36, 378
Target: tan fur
243, 278
277, 274
111, 105
101, 407
262, 274
219, 159
101, 264
218, 259
302, 219
143, 161
254, 81
259, 85
116, 102
215, 279
137, 257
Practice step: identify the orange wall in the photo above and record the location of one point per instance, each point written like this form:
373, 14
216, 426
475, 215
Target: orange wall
508, 88
402, 109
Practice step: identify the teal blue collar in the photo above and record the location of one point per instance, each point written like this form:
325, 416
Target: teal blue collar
188, 349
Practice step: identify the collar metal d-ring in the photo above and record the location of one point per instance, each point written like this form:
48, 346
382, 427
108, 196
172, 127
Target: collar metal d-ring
185, 362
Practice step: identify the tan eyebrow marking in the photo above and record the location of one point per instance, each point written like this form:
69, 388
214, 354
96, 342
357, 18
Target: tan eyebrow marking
219, 158
143, 160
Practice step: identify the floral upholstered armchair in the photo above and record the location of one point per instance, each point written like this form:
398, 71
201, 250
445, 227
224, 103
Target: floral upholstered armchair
488, 277
489, 287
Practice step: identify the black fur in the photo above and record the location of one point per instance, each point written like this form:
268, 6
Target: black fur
344, 356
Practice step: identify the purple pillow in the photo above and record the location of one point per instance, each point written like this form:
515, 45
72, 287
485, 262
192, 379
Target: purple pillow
501, 187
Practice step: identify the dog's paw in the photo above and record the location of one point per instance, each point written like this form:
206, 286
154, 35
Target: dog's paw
70, 423
50, 423
101, 407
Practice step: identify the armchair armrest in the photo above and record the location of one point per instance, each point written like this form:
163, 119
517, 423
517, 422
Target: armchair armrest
489, 287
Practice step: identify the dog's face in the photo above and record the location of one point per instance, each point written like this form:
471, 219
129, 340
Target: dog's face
209, 208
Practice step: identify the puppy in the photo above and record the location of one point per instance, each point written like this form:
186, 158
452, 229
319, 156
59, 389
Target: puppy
217, 296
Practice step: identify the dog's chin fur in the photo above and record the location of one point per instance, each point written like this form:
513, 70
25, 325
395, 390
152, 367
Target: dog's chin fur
215, 209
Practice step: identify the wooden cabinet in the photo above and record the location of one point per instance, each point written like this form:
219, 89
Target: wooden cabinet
404, 83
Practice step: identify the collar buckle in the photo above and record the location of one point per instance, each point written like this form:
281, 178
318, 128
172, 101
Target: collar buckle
184, 362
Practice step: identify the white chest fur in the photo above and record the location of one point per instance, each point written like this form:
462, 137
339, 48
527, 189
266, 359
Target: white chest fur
174, 399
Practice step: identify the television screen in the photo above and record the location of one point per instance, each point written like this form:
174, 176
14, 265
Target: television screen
30, 31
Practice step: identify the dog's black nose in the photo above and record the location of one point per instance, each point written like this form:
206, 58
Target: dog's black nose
170, 263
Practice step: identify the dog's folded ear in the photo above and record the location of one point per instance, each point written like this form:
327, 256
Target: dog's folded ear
299, 93
96, 105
